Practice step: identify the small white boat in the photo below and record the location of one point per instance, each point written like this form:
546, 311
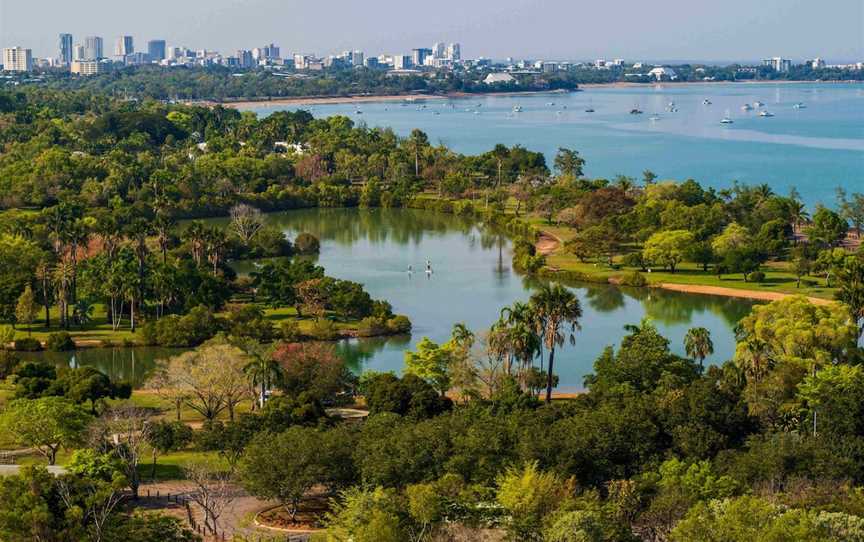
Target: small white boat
358, 112
517, 108
746, 107
799, 105
655, 117
706, 101
757, 103
726, 120
766, 113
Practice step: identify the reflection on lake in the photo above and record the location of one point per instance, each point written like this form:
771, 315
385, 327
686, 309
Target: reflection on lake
132, 364
473, 280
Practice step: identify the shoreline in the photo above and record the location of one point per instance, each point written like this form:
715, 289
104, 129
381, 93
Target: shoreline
548, 244
370, 98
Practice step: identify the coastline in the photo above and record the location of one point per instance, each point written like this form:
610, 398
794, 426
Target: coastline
364, 98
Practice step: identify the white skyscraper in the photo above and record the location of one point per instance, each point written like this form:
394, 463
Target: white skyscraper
93, 48
17, 59
123, 46
454, 51
439, 50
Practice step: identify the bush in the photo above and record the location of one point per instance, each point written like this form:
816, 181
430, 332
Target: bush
323, 330
189, 330
28, 344
634, 278
372, 326
8, 363
249, 321
399, 324
60, 342
757, 276
290, 331
306, 243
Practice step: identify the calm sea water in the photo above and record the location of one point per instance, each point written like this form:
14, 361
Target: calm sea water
814, 149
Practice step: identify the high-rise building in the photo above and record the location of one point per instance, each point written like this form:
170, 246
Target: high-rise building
77, 52
401, 62
156, 50
93, 48
17, 59
439, 50
64, 49
778, 64
244, 58
357, 58
124, 46
418, 56
454, 51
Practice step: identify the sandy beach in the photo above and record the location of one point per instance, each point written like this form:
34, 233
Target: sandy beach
736, 292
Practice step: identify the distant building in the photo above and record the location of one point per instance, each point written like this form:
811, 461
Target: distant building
357, 58
454, 52
156, 50
418, 56
663, 73
439, 50
17, 59
88, 67
497, 78
371, 62
778, 64
244, 58
135, 59
77, 52
600, 63
124, 46
92, 48
64, 49
817, 64
401, 62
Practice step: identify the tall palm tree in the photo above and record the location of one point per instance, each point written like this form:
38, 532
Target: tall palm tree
698, 344
196, 235
558, 311
262, 371
521, 333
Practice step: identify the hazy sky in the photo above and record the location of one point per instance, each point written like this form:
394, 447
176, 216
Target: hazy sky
553, 29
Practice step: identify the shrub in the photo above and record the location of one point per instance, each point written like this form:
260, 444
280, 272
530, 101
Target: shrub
306, 243
399, 324
28, 344
323, 330
371, 326
634, 278
60, 342
290, 331
8, 363
757, 276
249, 321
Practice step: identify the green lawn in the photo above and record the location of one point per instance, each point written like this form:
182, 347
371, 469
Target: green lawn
777, 279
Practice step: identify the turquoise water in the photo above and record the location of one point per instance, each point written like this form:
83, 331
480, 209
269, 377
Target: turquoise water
814, 149
472, 280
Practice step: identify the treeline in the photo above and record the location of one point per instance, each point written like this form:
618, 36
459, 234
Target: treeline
221, 83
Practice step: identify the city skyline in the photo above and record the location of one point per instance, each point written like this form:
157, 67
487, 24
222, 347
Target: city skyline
512, 28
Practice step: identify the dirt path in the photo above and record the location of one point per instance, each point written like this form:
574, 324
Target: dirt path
547, 244
736, 292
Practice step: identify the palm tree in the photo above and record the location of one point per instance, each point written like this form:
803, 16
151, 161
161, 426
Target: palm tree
558, 311
698, 344
196, 235
521, 333
262, 371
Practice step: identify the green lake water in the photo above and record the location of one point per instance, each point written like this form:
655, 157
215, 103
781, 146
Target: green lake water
472, 280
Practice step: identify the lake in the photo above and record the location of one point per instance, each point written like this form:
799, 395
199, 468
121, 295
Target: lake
814, 149
472, 281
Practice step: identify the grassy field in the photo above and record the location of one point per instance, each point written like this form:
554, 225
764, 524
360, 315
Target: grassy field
777, 278
99, 332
